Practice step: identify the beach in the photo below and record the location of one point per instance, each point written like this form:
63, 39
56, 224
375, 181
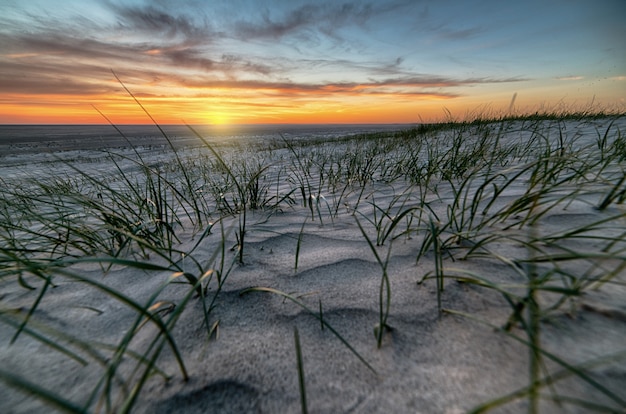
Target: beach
439, 269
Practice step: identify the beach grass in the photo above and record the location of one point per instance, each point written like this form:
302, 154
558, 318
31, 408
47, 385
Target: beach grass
454, 193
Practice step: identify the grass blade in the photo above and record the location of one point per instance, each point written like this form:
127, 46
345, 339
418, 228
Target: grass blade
41, 393
315, 314
301, 383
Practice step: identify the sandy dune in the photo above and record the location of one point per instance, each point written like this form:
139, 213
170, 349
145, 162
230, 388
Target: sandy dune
429, 361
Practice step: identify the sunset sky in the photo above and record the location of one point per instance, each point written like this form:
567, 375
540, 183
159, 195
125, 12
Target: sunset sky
232, 61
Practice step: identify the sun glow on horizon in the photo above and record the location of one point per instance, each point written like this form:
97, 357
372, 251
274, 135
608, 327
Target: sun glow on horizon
218, 118
120, 108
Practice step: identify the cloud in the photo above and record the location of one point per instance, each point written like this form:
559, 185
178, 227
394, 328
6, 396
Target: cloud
569, 78
57, 44
407, 86
460, 34
52, 85
310, 19
59, 63
154, 21
239, 103
267, 28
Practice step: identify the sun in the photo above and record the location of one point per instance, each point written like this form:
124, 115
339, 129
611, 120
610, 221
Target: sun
218, 118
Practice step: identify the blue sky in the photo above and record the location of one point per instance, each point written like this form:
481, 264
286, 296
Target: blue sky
297, 61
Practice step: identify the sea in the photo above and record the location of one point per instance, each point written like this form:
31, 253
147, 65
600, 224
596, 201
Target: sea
23, 139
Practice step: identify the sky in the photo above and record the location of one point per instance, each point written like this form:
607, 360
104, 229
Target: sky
249, 61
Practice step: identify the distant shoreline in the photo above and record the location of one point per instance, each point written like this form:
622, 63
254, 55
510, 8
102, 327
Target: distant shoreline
16, 139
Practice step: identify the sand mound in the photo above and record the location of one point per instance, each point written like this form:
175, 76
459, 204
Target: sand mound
434, 357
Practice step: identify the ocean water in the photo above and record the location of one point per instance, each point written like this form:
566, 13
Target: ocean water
16, 139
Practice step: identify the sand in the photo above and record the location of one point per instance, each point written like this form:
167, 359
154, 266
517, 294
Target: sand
429, 361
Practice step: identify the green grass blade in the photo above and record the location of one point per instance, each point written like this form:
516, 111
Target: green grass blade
572, 369
41, 393
41, 338
141, 310
301, 383
298, 244
315, 314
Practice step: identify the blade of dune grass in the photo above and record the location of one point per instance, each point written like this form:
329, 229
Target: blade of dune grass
53, 338
568, 369
191, 278
552, 379
36, 303
298, 244
315, 314
533, 332
157, 345
140, 358
221, 274
159, 342
614, 194
27, 330
49, 397
141, 310
384, 292
143, 265
301, 383
122, 349
434, 237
